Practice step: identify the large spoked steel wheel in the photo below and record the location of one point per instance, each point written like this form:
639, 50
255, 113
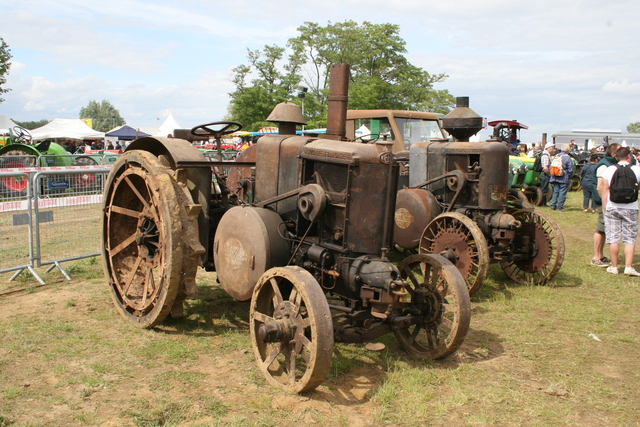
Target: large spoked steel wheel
291, 329
542, 236
439, 303
460, 240
142, 252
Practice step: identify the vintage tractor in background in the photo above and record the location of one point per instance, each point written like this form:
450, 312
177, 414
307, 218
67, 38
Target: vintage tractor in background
453, 201
301, 227
20, 152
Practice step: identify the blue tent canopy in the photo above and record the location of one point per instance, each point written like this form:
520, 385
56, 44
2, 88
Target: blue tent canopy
127, 133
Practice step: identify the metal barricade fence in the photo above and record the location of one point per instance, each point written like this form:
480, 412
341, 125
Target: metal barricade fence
16, 233
68, 212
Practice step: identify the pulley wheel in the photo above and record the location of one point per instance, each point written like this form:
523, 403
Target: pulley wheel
460, 240
547, 245
142, 251
291, 329
248, 243
438, 296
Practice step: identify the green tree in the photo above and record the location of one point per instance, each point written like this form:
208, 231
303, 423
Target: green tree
5, 57
32, 124
103, 115
633, 127
381, 76
251, 103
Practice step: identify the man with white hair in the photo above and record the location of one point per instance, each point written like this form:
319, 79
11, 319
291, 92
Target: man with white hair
561, 182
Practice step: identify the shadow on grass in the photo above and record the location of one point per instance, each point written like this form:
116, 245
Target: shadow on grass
211, 312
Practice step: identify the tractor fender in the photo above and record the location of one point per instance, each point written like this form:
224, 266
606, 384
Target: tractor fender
198, 179
27, 149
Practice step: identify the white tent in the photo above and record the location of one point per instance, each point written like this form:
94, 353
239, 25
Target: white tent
66, 128
6, 123
170, 124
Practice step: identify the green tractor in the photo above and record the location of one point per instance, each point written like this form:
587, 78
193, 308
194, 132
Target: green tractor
19, 151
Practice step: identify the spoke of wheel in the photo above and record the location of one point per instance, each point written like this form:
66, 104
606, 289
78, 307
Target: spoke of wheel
415, 332
129, 281
277, 296
302, 340
126, 242
292, 365
411, 277
276, 348
145, 289
261, 317
137, 193
447, 322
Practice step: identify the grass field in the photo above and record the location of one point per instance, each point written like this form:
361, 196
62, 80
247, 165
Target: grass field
562, 354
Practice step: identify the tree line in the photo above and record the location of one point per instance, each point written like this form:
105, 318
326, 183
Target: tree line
381, 75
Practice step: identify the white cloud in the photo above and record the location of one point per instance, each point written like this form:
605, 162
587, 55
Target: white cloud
623, 86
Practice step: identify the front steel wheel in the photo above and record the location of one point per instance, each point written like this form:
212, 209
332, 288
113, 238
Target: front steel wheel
142, 252
291, 329
543, 238
460, 240
439, 303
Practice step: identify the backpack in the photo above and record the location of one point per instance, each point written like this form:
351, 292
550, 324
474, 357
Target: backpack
624, 185
537, 165
556, 166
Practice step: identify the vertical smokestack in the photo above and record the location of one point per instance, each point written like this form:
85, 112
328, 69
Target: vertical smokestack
337, 105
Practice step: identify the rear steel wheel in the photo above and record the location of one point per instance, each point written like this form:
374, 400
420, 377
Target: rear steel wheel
437, 295
291, 329
543, 236
460, 240
142, 251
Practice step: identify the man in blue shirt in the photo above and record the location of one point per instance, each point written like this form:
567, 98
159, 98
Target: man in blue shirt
561, 182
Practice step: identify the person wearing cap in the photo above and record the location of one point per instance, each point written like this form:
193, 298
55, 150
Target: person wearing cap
561, 182
545, 161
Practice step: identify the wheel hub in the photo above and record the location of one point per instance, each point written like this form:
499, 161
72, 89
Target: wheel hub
280, 330
147, 239
452, 244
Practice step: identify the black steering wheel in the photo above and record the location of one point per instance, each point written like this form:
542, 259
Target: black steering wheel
226, 129
373, 137
22, 135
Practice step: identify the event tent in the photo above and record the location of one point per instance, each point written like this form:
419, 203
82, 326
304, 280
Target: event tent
6, 123
66, 129
126, 133
170, 124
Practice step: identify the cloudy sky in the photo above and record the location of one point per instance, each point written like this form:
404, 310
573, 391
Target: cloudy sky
553, 65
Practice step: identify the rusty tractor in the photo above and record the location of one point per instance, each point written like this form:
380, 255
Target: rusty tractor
453, 197
301, 226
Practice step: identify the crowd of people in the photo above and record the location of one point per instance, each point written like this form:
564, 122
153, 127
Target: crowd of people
617, 218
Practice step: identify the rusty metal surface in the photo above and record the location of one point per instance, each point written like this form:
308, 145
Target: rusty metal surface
144, 251
415, 208
291, 329
247, 243
462, 122
337, 101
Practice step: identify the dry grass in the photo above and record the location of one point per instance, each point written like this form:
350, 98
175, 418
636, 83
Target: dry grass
563, 354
